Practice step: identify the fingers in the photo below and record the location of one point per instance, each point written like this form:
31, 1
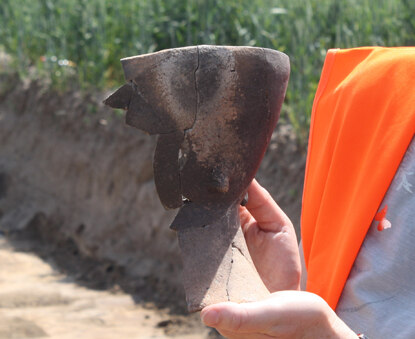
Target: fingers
246, 219
264, 209
249, 318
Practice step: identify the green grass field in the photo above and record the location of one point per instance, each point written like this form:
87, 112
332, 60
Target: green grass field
80, 42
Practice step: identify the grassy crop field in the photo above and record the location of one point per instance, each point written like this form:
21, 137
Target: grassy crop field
81, 41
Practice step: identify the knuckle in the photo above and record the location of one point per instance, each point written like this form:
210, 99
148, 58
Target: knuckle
239, 319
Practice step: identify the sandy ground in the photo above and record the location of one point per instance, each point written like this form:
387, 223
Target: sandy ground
36, 301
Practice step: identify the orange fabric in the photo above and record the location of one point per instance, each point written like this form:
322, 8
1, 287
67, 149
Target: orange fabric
363, 120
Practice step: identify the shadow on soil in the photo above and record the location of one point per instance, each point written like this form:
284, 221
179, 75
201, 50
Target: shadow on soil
43, 238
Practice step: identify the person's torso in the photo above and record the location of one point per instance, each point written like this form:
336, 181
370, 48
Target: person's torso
379, 296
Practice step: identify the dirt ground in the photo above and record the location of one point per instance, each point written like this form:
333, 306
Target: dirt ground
37, 301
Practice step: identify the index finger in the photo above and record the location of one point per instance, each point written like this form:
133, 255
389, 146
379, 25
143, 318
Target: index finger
264, 209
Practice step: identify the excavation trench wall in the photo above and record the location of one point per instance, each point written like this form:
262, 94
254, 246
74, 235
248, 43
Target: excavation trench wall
72, 167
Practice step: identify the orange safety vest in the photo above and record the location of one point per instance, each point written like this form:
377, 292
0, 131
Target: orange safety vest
363, 120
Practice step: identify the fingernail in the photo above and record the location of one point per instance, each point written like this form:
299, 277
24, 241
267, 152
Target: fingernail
210, 318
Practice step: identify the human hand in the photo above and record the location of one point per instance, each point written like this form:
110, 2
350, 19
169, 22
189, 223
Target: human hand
286, 314
271, 240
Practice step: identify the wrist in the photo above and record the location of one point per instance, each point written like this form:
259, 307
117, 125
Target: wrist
339, 328
323, 322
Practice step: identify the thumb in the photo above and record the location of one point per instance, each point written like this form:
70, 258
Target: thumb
243, 318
